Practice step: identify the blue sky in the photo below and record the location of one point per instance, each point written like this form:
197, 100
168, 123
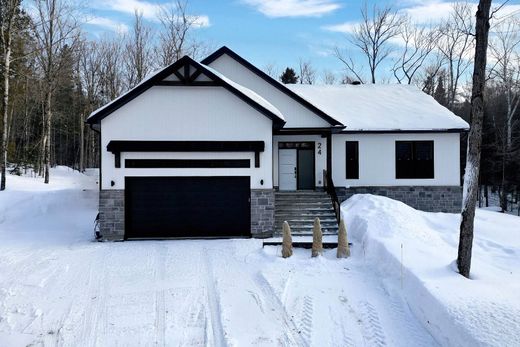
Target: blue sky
270, 31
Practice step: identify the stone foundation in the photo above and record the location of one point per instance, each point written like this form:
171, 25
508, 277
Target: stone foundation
112, 214
425, 198
262, 212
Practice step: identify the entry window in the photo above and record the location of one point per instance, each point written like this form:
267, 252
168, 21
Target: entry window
414, 159
352, 160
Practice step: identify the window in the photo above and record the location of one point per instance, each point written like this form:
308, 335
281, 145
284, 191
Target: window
414, 159
352, 159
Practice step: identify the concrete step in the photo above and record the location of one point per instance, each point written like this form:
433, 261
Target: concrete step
295, 223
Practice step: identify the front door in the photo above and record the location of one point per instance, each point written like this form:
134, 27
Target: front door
305, 168
287, 159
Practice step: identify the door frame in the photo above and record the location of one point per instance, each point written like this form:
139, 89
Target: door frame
299, 145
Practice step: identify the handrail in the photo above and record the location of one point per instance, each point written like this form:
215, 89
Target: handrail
331, 190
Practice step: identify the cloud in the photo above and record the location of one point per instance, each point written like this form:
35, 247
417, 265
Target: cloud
294, 8
345, 28
108, 23
149, 10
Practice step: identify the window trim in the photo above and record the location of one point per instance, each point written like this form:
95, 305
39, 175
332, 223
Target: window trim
413, 143
347, 161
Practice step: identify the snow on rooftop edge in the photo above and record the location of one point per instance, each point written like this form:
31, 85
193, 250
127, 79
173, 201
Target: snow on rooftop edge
246, 91
380, 107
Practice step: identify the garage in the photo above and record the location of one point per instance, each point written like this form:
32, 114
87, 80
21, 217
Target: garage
187, 207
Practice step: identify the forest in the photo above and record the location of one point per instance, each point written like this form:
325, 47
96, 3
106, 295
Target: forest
54, 74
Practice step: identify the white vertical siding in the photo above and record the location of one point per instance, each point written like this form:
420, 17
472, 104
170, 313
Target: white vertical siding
377, 159
295, 113
190, 114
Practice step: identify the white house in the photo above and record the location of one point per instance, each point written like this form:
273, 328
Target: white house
207, 149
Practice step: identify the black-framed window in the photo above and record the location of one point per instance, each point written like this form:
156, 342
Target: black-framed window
352, 159
414, 159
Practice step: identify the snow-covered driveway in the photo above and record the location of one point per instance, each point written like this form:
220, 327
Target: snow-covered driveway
227, 292
58, 288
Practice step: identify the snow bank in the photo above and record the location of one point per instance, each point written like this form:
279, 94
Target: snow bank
34, 212
415, 251
380, 107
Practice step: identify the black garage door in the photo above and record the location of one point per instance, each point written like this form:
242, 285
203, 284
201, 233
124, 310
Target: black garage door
160, 207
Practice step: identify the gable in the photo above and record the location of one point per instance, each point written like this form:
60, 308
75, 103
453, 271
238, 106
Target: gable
298, 112
188, 73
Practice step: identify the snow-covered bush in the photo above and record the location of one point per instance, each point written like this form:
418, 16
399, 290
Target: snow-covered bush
287, 241
317, 236
343, 248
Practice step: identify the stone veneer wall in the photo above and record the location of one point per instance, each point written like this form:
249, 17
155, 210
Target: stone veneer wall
112, 214
262, 212
425, 198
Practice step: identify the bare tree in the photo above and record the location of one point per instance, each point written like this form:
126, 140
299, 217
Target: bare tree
8, 11
138, 52
272, 70
175, 40
307, 72
372, 37
57, 28
329, 77
454, 45
471, 176
112, 75
418, 44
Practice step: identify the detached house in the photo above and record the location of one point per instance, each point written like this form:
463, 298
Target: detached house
207, 149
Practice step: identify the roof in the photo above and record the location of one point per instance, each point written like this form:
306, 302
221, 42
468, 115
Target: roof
280, 86
247, 95
388, 107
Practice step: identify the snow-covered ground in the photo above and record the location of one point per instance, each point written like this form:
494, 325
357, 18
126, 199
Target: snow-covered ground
415, 252
58, 287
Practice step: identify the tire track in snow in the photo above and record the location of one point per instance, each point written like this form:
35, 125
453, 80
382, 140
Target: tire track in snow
160, 307
290, 330
217, 331
373, 331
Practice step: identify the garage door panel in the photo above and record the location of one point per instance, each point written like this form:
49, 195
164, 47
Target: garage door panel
187, 207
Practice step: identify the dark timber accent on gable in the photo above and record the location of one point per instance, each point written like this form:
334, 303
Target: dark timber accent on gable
225, 50
117, 147
181, 69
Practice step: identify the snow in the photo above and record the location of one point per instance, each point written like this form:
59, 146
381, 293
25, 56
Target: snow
58, 287
415, 252
247, 92
380, 107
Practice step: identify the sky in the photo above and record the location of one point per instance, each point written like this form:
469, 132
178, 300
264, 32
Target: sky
279, 32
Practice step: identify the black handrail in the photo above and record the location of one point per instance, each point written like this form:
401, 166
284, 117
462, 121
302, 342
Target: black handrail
331, 190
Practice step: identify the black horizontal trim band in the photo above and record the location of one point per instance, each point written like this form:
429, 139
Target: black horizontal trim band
404, 131
185, 146
186, 163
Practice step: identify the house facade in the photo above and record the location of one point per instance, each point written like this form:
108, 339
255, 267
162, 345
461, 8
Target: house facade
200, 149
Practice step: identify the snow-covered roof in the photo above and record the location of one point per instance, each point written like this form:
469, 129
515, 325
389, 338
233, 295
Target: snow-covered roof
374, 107
247, 92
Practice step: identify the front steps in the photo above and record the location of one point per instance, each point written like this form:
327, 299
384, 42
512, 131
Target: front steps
300, 208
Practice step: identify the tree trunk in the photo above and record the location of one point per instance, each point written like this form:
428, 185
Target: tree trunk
47, 136
5, 104
81, 144
474, 140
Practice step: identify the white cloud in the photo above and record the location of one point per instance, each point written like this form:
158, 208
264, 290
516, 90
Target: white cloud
294, 8
108, 23
149, 10
345, 28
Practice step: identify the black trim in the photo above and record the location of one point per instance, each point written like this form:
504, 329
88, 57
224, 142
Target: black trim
158, 79
116, 147
225, 50
186, 163
307, 131
185, 146
403, 131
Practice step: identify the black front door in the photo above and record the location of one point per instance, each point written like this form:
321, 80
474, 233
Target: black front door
305, 168
161, 207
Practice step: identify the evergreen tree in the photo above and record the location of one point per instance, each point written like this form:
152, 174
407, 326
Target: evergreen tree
289, 76
440, 92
